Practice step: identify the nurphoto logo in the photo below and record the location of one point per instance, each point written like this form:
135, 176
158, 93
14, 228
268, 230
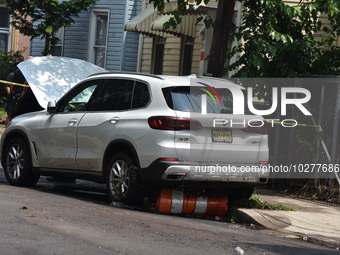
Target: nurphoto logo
239, 102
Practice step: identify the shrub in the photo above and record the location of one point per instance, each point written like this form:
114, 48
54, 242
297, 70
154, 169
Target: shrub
8, 62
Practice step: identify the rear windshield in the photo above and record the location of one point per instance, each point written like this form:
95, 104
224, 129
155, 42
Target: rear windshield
189, 99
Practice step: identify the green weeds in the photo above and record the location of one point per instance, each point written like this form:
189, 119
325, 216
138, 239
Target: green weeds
257, 203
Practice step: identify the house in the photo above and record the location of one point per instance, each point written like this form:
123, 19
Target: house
130, 35
179, 51
98, 36
183, 50
10, 38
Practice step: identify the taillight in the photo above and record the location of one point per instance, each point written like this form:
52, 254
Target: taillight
172, 123
257, 127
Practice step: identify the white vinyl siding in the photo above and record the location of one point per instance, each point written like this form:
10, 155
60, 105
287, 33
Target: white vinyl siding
122, 46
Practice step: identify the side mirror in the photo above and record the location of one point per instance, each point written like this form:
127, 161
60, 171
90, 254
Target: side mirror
51, 107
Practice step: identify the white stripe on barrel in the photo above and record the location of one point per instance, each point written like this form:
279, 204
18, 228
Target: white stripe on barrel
177, 202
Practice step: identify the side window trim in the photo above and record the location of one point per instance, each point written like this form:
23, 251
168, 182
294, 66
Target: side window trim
95, 94
149, 94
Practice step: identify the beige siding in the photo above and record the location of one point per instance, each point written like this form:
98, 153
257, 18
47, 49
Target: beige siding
172, 54
198, 45
292, 2
326, 23
146, 55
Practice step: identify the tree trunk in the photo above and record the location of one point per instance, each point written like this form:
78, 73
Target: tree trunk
221, 35
47, 44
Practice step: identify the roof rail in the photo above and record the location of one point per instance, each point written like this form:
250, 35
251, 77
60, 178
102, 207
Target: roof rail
132, 73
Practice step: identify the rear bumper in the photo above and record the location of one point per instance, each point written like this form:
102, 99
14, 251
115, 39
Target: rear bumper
161, 172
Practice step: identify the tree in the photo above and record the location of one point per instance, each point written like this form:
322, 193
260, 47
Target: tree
44, 17
222, 28
279, 41
276, 40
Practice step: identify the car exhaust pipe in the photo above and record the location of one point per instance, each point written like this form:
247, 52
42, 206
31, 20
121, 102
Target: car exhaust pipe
178, 202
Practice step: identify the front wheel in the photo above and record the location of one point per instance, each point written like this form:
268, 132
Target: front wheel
18, 167
122, 182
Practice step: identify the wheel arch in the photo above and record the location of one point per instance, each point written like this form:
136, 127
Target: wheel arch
119, 145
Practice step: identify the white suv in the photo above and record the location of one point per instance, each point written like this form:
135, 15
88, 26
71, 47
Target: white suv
132, 130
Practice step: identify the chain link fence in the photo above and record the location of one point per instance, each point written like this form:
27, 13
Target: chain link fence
312, 146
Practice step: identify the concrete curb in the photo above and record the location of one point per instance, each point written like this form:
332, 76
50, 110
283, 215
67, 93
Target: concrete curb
275, 220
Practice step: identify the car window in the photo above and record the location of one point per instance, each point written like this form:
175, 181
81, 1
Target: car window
141, 95
189, 99
114, 96
84, 96
79, 97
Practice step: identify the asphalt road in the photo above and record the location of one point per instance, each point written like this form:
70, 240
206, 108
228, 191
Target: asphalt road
57, 218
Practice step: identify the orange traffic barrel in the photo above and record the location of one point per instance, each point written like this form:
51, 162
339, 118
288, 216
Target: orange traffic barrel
178, 202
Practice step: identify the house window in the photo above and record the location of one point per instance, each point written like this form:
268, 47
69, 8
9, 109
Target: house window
158, 54
4, 29
57, 48
187, 47
98, 44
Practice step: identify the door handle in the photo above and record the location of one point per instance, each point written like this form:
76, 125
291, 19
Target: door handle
71, 122
114, 120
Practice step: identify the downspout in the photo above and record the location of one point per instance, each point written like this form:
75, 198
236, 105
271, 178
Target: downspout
122, 60
140, 44
11, 36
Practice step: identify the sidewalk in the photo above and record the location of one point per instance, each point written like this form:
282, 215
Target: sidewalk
312, 221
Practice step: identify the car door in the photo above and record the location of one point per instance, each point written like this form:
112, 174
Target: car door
57, 146
100, 125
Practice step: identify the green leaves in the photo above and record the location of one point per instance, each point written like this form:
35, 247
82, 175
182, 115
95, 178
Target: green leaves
278, 40
49, 30
281, 37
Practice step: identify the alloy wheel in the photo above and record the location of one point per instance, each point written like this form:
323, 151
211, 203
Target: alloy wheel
15, 161
119, 178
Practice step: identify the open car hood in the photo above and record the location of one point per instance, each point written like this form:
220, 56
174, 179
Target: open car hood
51, 77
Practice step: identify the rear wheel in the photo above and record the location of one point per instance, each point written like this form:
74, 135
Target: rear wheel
122, 182
18, 167
242, 193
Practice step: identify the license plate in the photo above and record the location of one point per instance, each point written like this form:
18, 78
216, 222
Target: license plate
222, 136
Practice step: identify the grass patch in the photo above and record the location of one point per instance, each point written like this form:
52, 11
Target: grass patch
3, 112
257, 203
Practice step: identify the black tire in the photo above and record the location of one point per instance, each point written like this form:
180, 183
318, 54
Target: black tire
18, 166
243, 193
122, 182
